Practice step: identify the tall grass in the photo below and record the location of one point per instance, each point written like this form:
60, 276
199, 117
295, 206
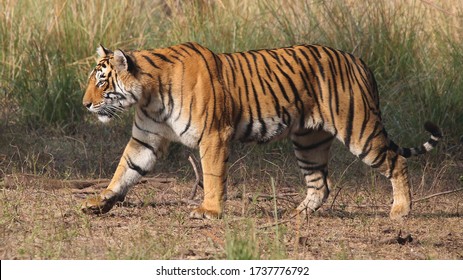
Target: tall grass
414, 47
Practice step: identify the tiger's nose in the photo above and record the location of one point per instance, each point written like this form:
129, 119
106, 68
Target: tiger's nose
87, 104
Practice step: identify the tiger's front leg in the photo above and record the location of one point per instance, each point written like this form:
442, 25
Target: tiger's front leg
138, 158
214, 156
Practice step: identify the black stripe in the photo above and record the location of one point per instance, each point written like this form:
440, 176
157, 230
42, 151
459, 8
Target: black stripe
243, 55
258, 74
297, 98
263, 128
176, 51
231, 67
147, 74
392, 166
298, 146
349, 120
288, 64
379, 160
319, 92
182, 47
163, 57
161, 94
311, 93
145, 113
275, 98
180, 110
313, 168
339, 63
237, 119
135, 167
211, 79
286, 117
147, 58
367, 143
146, 145
273, 54
204, 128
334, 76
432, 142
264, 58
171, 101
315, 179
142, 129
248, 130
330, 104
133, 96
366, 117
304, 161
406, 152
316, 55
189, 118
282, 88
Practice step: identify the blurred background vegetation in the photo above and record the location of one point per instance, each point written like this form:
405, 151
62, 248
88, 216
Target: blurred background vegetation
415, 49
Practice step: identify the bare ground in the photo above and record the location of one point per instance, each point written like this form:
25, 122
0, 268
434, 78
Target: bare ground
41, 219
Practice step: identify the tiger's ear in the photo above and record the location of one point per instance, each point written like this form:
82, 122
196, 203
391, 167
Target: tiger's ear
102, 51
121, 61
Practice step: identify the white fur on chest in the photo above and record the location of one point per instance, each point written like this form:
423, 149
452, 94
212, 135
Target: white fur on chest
172, 130
188, 137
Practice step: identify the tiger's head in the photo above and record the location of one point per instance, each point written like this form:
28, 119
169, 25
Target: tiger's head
112, 85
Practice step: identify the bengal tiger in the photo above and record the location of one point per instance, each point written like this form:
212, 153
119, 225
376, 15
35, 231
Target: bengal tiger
186, 93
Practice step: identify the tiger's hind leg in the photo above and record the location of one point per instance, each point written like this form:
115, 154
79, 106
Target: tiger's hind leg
398, 174
312, 154
375, 152
394, 167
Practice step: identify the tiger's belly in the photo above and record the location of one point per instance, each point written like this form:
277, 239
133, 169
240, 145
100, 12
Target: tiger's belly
262, 130
189, 137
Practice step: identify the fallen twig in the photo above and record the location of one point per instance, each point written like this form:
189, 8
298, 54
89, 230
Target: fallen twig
437, 194
157, 204
266, 197
340, 188
284, 221
101, 183
13, 180
198, 181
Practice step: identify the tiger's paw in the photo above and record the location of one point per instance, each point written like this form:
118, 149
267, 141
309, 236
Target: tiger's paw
202, 213
313, 201
399, 212
100, 204
302, 211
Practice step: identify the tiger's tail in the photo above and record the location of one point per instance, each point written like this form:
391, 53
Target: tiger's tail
436, 135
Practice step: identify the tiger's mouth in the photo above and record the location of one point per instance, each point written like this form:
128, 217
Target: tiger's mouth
107, 112
104, 116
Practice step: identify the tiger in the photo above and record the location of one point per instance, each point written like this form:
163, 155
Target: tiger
186, 93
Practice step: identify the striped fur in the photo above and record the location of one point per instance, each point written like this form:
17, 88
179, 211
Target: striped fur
186, 93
